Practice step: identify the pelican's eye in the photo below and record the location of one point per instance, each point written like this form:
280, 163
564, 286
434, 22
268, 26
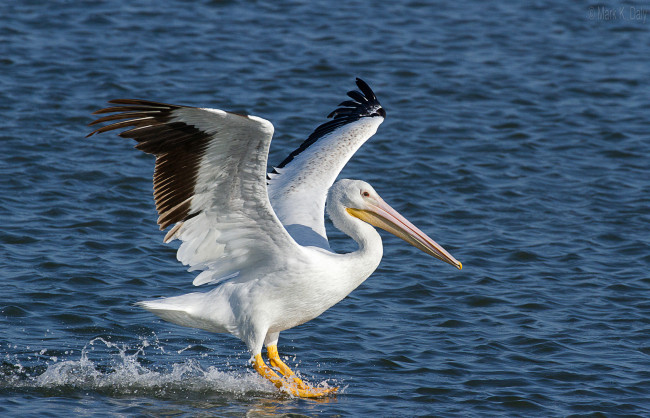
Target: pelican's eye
365, 194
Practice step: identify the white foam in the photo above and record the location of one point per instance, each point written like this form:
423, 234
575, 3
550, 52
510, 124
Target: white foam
127, 375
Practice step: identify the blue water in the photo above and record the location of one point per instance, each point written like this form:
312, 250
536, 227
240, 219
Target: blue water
516, 136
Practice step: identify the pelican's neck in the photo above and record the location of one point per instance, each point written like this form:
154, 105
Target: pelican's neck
366, 258
366, 236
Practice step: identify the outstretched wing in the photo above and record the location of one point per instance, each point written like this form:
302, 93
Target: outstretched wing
298, 186
209, 182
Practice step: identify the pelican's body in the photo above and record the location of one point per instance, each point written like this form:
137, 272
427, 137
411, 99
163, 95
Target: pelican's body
272, 263
280, 296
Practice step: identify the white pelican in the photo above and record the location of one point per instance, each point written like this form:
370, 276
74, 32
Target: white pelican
265, 243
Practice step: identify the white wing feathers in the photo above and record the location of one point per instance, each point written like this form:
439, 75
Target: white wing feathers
298, 191
210, 181
298, 186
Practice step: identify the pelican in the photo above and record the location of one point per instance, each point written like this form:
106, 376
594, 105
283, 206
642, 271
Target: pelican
261, 237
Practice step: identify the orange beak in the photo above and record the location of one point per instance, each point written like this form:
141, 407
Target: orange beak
385, 217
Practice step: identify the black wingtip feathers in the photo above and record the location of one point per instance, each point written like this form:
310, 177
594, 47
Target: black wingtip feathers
364, 104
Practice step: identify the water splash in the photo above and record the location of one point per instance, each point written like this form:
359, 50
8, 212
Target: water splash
126, 373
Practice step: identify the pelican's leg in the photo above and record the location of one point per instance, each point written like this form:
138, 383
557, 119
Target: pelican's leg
271, 342
274, 360
266, 372
292, 382
289, 381
280, 383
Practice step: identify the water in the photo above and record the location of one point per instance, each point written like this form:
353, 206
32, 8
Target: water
517, 136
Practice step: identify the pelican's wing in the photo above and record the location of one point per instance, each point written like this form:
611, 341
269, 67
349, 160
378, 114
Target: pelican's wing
298, 186
209, 182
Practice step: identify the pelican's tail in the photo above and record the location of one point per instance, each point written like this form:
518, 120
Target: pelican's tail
187, 310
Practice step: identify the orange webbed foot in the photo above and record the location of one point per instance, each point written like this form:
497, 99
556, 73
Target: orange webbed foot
289, 382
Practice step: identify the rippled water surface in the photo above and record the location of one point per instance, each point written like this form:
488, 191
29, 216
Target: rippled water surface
517, 136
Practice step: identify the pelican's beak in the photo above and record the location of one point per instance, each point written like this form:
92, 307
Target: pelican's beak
381, 215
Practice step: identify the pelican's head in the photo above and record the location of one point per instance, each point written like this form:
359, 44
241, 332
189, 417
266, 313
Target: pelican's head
361, 201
